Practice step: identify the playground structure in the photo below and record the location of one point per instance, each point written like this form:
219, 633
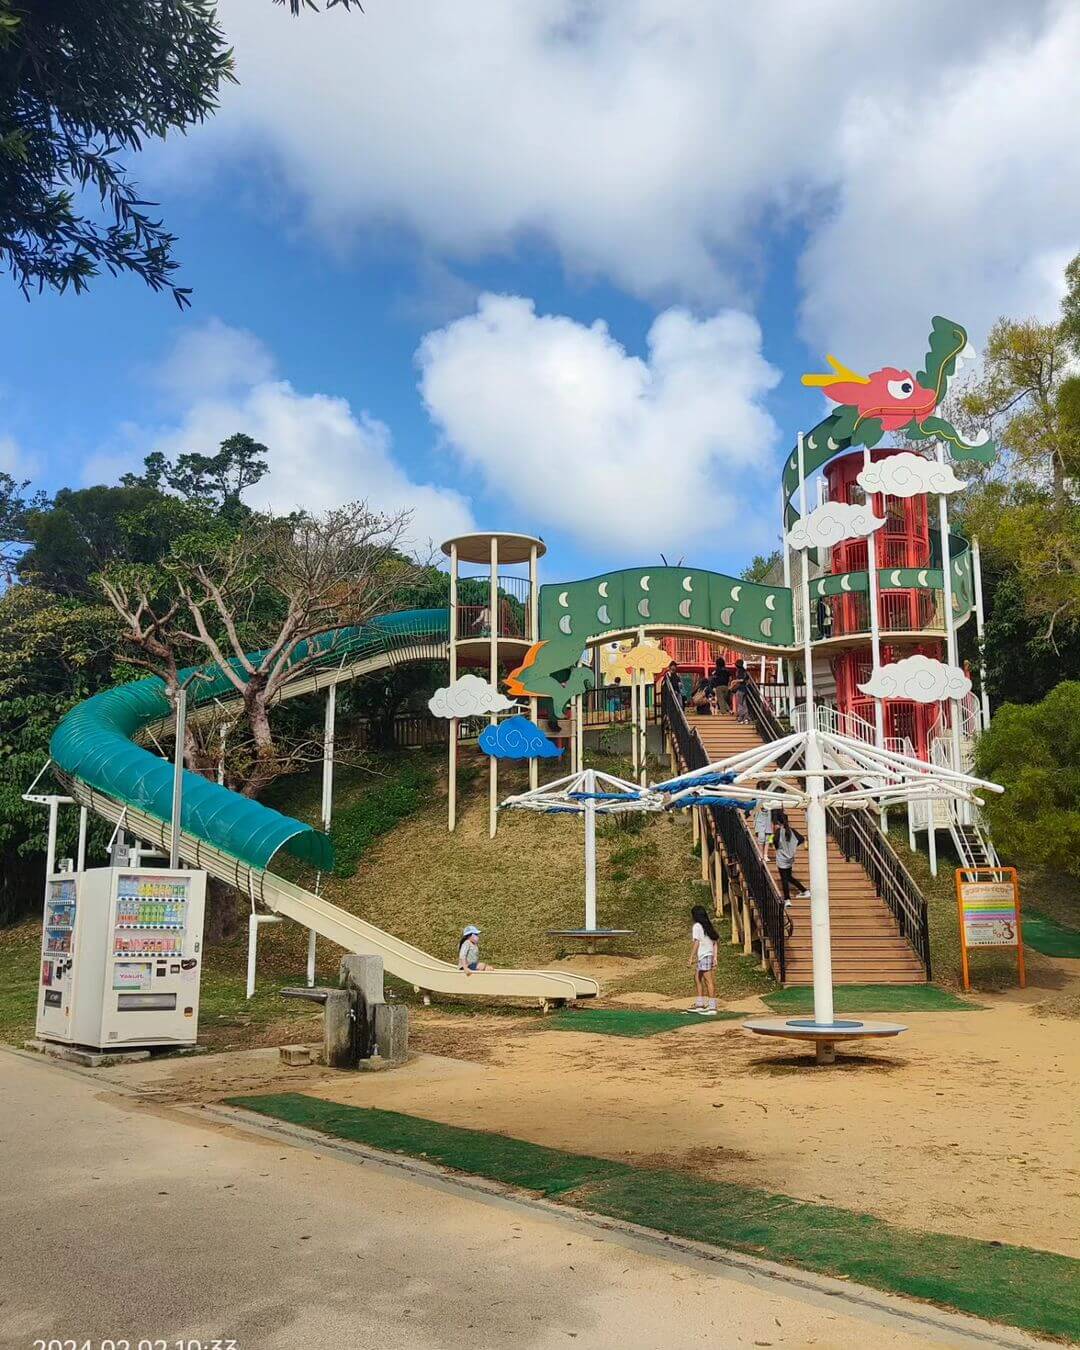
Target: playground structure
542, 643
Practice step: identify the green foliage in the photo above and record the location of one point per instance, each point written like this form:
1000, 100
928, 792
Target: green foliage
760, 566
81, 83
87, 529
53, 652
358, 824
214, 482
1034, 753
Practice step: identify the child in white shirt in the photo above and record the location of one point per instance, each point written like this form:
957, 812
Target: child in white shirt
704, 938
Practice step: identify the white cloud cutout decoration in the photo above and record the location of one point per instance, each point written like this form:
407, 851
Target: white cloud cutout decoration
831, 523
906, 475
468, 696
919, 678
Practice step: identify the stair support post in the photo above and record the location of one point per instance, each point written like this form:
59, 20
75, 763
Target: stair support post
718, 880
747, 926
704, 831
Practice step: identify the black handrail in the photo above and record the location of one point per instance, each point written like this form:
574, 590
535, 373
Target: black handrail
731, 828
861, 840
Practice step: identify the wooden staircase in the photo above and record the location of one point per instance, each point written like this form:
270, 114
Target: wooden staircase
866, 945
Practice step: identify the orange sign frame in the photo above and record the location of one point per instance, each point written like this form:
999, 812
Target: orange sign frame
989, 909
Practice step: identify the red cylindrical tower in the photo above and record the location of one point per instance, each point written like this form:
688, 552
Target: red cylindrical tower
903, 541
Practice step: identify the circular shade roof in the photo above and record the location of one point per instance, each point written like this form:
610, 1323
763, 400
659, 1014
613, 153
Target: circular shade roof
513, 548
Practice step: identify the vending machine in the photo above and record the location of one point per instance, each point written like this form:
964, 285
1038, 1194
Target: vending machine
121, 957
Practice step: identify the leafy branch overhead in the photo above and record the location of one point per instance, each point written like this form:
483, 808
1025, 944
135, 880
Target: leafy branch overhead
84, 84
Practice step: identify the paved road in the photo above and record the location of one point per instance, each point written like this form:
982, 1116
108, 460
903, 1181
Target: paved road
122, 1222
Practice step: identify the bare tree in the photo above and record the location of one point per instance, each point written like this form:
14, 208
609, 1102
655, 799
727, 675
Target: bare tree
252, 605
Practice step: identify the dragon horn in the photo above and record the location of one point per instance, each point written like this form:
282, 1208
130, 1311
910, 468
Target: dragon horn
841, 375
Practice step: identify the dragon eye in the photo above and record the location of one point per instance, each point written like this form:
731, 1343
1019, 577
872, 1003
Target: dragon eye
900, 388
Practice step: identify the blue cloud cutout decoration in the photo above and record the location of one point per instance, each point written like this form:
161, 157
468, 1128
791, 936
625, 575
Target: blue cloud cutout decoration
517, 738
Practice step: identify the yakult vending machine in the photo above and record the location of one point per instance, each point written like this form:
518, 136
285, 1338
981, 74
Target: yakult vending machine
121, 957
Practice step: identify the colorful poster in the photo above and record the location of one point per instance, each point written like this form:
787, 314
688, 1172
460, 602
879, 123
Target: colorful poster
989, 913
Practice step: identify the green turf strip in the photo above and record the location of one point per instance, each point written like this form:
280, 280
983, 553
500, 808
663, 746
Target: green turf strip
1048, 936
864, 998
1037, 1290
630, 1022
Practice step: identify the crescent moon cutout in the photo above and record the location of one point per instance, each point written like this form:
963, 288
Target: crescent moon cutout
922, 577
845, 583
821, 587
643, 608
770, 602
736, 591
832, 444
894, 578
645, 582
725, 616
688, 583
601, 590
766, 628
811, 444
564, 624
684, 608
563, 600
602, 614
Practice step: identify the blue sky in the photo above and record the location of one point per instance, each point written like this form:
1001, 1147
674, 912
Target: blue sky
649, 167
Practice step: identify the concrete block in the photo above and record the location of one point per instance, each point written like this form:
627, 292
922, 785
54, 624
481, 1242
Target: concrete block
364, 974
392, 1033
295, 1054
339, 1029
82, 1055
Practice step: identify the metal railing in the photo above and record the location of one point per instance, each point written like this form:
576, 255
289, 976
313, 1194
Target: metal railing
730, 827
860, 839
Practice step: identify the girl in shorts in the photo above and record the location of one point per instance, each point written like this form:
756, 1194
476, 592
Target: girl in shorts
704, 938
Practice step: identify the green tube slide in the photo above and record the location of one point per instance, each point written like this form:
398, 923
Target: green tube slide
96, 742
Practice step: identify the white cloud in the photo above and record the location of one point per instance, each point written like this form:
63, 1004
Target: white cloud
468, 696
919, 678
213, 358
621, 451
924, 149
906, 475
322, 452
832, 522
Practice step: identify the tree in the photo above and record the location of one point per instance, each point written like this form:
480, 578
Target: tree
1034, 753
82, 83
85, 529
15, 509
251, 601
761, 565
216, 482
53, 652
1027, 516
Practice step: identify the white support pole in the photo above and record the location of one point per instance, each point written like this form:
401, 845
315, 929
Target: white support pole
634, 744
590, 853
789, 663
911, 826
808, 655
931, 835
817, 845
328, 757
253, 946
451, 790
50, 844
178, 777
875, 620
254, 922
311, 958
980, 628
80, 855
493, 763
579, 731
950, 621
533, 628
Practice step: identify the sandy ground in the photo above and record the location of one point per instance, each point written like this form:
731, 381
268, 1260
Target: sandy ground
137, 1223
967, 1124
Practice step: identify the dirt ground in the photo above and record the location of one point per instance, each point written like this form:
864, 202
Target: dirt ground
966, 1124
